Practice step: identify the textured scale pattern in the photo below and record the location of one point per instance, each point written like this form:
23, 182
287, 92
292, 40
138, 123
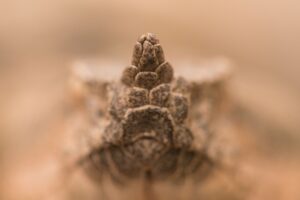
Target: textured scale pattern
155, 128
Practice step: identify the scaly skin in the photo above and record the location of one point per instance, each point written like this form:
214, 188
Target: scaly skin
149, 124
148, 132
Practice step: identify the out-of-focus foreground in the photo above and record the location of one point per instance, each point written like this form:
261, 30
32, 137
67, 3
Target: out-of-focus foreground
39, 40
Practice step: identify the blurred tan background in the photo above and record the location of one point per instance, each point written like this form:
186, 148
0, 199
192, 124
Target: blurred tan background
38, 40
